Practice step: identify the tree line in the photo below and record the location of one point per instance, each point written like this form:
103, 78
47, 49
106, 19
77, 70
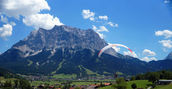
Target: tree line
154, 76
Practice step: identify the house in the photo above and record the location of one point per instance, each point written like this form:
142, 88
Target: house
72, 88
107, 84
164, 82
51, 87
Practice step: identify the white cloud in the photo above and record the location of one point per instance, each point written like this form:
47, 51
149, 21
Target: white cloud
103, 17
112, 24
30, 11
100, 34
94, 27
102, 29
15, 8
166, 43
6, 30
133, 54
148, 52
13, 23
42, 20
92, 18
117, 49
165, 33
116, 25
99, 30
166, 1
147, 59
87, 14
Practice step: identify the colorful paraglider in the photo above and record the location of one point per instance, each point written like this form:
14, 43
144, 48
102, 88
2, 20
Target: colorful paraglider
110, 46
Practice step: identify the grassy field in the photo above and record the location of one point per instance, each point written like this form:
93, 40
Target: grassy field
139, 83
108, 87
60, 65
3, 80
164, 87
63, 76
83, 83
37, 83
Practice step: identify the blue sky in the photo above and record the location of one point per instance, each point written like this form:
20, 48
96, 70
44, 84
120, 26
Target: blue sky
143, 25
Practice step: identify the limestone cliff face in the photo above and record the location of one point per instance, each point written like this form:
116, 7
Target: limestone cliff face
60, 37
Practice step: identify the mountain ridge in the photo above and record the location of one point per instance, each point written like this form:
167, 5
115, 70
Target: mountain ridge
71, 50
67, 38
169, 57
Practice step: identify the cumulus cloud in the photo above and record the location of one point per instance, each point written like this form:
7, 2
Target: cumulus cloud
92, 18
87, 14
148, 52
46, 21
15, 8
30, 11
103, 17
6, 30
133, 54
102, 29
98, 32
165, 33
112, 24
147, 59
166, 43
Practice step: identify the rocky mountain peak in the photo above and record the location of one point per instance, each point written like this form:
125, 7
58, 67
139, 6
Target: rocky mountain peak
61, 37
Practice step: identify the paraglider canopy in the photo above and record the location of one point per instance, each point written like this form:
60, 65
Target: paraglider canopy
112, 45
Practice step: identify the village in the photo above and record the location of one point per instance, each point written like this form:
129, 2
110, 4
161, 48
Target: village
92, 82
47, 82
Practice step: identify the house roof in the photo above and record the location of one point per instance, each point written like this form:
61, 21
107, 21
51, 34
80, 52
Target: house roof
165, 80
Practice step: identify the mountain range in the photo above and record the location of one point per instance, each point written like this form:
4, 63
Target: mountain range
68, 50
169, 57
